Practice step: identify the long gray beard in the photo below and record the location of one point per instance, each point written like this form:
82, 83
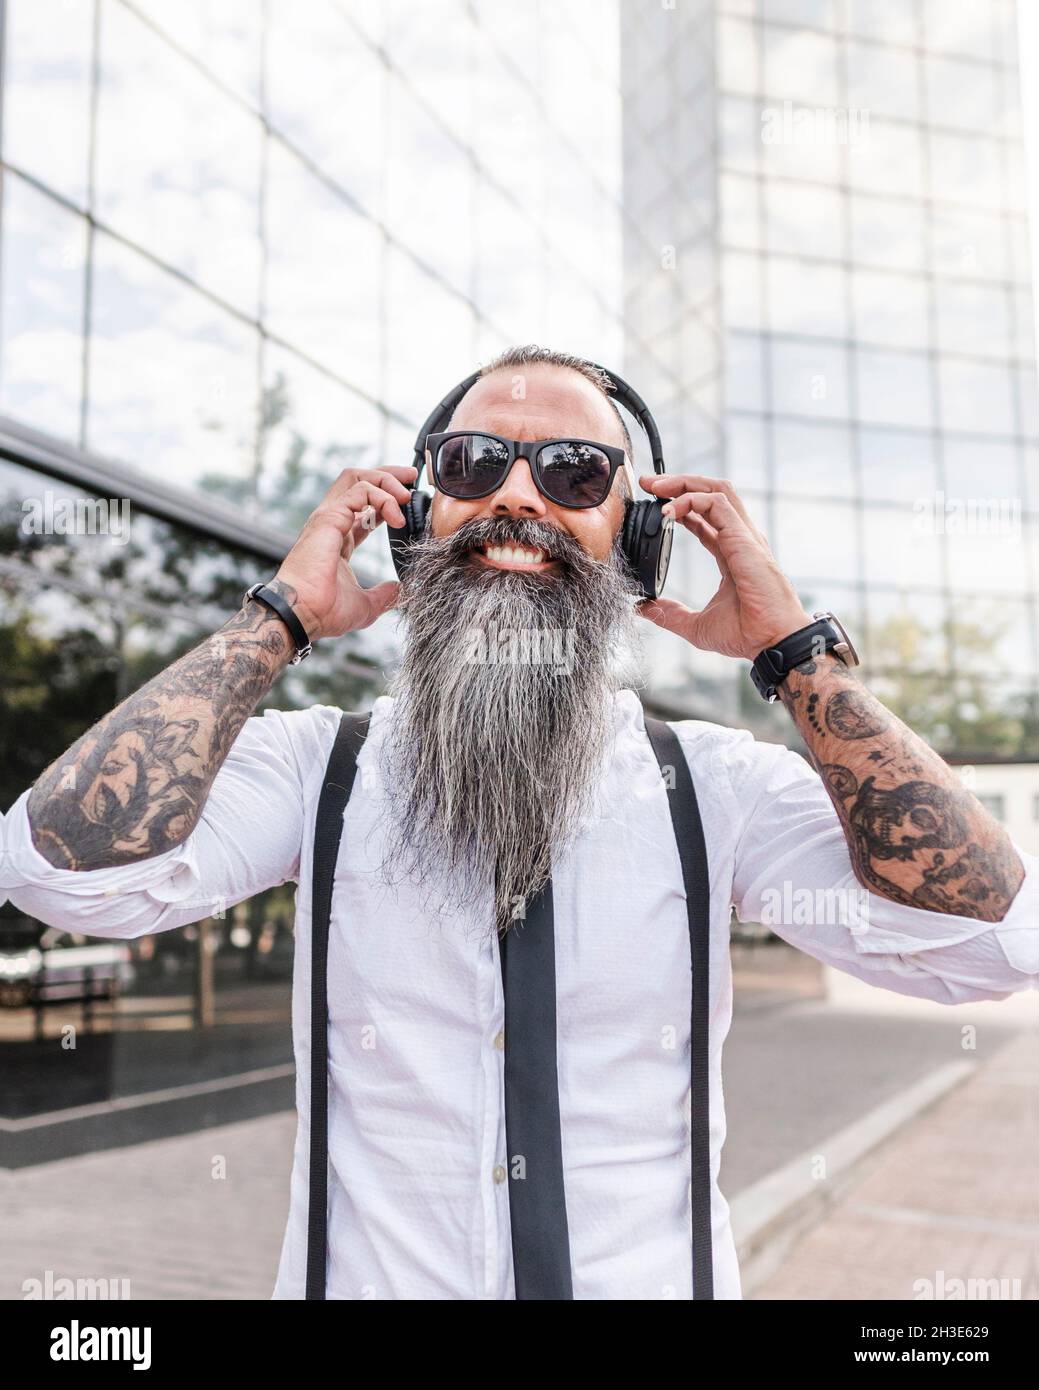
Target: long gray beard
503, 714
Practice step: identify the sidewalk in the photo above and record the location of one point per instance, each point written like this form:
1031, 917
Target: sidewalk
953, 1197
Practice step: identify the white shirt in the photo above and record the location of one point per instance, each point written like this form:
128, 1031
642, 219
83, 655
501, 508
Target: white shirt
418, 1201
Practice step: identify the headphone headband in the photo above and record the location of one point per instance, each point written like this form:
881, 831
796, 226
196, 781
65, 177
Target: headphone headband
626, 395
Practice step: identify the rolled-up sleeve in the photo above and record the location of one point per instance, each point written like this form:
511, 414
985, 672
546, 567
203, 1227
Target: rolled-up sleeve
793, 873
247, 839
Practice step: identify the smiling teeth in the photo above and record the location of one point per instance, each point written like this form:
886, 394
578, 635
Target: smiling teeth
511, 555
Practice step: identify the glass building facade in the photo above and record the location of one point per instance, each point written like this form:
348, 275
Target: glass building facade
881, 413
247, 243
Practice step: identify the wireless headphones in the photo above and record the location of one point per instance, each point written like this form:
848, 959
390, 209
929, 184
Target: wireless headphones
646, 534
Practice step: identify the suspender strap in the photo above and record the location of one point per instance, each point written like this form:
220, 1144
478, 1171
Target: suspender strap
685, 816
328, 830
537, 1201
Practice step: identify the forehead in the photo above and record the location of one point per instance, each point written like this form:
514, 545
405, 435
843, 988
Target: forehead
538, 402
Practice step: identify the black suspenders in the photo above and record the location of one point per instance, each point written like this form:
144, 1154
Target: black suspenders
537, 1201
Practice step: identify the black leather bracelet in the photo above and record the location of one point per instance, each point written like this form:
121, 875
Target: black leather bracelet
277, 604
772, 666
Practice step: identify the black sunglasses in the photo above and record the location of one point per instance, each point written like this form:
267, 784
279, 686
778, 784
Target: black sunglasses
571, 472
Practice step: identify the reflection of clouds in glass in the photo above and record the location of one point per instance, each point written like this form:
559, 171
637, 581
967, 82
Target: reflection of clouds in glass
172, 377
322, 272
41, 308
178, 162
223, 34
325, 91
46, 93
430, 338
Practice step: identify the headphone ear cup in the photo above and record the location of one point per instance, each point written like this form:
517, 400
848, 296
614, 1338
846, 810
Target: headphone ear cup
416, 510
646, 541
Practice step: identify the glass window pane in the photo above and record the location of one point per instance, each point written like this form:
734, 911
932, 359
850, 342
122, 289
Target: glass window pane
417, 307
888, 159
804, 220
809, 379
744, 372
898, 550
880, 19
323, 265
891, 310
323, 83
224, 35
991, 634
177, 162
41, 310
313, 428
739, 211
806, 297
975, 398
887, 233
46, 91
798, 62
961, 93
428, 190
960, 29
905, 630
894, 388
738, 56
816, 540
742, 290
882, 80
973, 319
739, 133
966, 169
813, 459
896, 466
173, 378
746, 462
969, 243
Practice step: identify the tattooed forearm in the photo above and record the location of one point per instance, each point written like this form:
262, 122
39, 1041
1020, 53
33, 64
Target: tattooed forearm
135, 784
915, 834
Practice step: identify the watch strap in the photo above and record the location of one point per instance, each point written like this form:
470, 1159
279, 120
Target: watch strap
277, 604
772, 666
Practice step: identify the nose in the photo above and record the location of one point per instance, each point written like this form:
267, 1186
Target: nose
518, 494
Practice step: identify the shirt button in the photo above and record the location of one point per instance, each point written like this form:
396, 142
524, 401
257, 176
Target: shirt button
499, 1040
499, 1174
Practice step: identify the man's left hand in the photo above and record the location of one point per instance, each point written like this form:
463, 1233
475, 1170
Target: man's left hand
755, 604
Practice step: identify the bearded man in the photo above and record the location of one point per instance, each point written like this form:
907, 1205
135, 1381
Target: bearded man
492, 763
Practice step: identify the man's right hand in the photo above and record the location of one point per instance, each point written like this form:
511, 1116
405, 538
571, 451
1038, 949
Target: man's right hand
327, 598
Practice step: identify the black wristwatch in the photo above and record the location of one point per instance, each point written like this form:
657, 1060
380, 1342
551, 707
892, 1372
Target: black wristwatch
277, 604
772, 666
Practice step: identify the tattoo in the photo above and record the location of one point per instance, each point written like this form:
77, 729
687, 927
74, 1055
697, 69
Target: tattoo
135, 784
850, 714
914, 834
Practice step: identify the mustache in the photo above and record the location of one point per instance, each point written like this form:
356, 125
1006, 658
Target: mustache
522, 531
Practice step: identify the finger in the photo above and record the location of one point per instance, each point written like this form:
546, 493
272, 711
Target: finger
393, 478
380, 598
664, 485
708, 538
672, 615
345, 509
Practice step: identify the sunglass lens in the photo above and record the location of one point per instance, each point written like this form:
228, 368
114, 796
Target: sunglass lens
576, 475
470, 465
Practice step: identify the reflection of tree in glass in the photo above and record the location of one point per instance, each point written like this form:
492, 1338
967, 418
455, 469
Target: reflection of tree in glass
285, 492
